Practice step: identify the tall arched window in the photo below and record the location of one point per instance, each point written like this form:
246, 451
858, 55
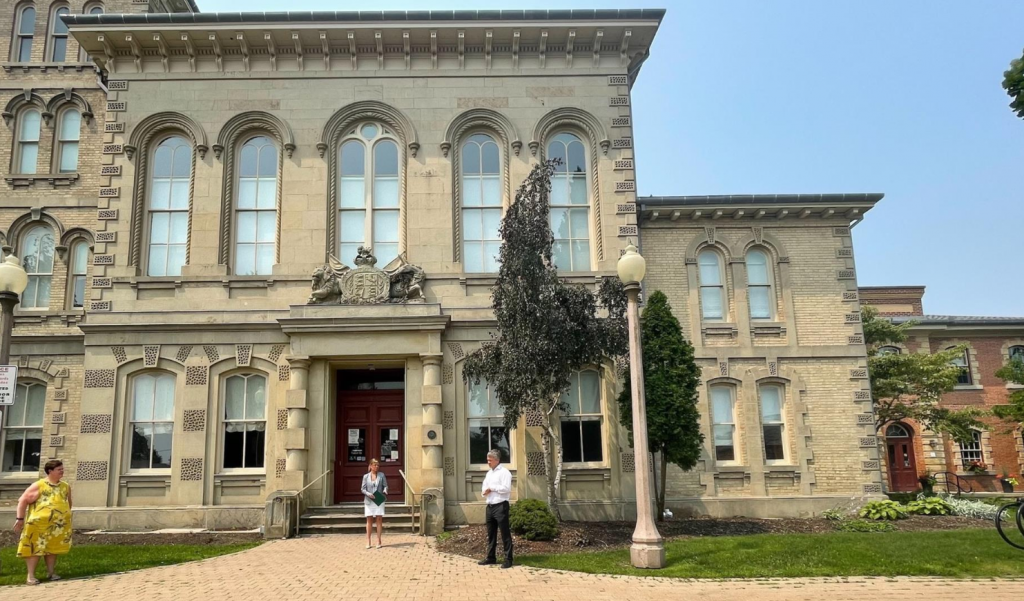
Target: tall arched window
582, 441
152, 421
256, 207
888, 350
964, 364
759, 285
26, 31
773, 424
168, 206
481, 204
68, 133
23, 429
1016, 353
369, 206
245, 421
27, 154
570, 204
78, 266
58, 36
37, 259
486, 424
724, 423
95, 9
971, 452
712, 285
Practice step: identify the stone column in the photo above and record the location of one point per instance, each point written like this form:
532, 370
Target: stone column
296, 441
432, 472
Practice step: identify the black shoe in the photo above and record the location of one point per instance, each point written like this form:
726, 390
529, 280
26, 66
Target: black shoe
486, 562
506, 565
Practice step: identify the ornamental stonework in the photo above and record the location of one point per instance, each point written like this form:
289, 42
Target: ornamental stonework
193, 420
183, 353
535, 464
456, 349
336, 284
119, 354
150, 355
282, 419
211, 354
196, 375
243, 354
96, 423
275, 352
628, 461
191, 469
449, 466
91, 471
99, 378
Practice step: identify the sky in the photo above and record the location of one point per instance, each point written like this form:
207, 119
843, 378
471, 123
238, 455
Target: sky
786, 96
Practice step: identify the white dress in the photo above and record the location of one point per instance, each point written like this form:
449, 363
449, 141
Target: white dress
371, 509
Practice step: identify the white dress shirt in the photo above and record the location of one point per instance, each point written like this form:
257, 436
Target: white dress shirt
499, 481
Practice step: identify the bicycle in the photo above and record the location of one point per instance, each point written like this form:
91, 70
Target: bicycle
1018, 512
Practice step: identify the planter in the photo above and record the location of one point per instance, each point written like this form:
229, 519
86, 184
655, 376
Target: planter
927, 487
1007, 487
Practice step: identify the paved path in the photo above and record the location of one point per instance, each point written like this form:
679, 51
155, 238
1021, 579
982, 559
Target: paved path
408, 569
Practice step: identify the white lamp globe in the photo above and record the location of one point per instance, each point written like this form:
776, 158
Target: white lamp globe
12, 276
632, 266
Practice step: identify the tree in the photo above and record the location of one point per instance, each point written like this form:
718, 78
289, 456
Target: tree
1013, 83
910, 385
1013, 412
671, 378
547, 330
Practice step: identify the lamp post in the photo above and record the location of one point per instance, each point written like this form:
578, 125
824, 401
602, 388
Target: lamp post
648, 548
13, 281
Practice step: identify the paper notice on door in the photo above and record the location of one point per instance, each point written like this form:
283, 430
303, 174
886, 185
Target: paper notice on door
394, 455
394, 434
353, 436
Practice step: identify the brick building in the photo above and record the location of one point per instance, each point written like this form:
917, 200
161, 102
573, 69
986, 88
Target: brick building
991, 342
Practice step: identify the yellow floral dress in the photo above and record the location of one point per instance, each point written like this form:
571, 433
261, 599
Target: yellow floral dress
47, 529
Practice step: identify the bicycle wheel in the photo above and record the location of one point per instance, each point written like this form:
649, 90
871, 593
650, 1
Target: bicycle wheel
1016, 539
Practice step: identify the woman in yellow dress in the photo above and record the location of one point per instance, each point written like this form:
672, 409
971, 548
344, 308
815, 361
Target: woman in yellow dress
46, 530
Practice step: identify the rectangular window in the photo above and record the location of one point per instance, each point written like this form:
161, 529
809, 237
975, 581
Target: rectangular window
971, 451
582, 440
772, 423
70, 130
79, 265
245, 423
28, 142
152, 425
23, 429
711, 298
724, 423
486, 425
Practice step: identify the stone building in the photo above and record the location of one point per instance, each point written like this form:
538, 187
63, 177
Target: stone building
234, 155
912, 451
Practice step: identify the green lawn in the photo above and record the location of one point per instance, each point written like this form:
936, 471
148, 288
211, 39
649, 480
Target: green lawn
92, 560
958, 554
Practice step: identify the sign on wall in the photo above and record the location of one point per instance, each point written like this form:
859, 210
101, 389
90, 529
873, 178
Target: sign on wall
8, 383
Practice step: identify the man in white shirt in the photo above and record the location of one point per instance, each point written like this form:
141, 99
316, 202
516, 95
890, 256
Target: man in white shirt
497, 490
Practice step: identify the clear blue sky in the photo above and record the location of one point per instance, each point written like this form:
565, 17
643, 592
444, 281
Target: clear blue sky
781, 96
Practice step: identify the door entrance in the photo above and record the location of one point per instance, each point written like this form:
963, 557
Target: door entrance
371, 425
899, 444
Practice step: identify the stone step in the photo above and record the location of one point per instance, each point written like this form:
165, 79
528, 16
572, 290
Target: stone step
357, 509
342, 518
353, 528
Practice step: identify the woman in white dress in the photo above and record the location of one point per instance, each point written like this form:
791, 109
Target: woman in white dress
373, 482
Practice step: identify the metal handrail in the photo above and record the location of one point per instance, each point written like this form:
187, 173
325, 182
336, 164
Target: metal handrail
298, 499
422, 505
956, 479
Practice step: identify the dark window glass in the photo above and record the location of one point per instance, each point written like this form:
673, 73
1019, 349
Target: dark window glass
478, 444
255, 442
591, 434
500, 441
378, 379
357, 450
233, 445
773, 442
725, 453
572, 446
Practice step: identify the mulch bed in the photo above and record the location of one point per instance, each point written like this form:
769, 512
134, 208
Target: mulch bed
8, 538
599, 536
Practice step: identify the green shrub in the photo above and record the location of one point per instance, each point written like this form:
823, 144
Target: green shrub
901, 497
929, 506
865, 526
883, 510
445, 535
531, 519
833, 515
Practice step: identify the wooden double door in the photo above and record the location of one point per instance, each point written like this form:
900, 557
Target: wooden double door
902, 464
371, 425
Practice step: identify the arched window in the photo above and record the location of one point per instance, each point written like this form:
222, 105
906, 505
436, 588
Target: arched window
256, 208
369, 206
759, 285
481, 204
1016, 353
570, 204
712, 285
26, 31
58, 36
723, 423
963, 362
37, 259
168, 206
152, 421
27, 153
68, 133
896, 431
888, 350
95, 9
773, 423
245, 421
486, 424
971, 452
23, 429
77, 268
582, 441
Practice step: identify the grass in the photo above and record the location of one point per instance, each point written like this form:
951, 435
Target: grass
954, 554
93, 560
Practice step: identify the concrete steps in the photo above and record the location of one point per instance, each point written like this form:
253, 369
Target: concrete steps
348, 518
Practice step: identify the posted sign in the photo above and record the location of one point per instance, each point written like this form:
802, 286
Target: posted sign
8, 383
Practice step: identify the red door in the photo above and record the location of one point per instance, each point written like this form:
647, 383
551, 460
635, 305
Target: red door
371, 425
899, 444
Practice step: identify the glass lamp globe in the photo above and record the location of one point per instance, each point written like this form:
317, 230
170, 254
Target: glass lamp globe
12, 276
632, 266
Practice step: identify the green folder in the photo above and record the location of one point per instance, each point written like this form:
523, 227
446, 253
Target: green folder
378, 498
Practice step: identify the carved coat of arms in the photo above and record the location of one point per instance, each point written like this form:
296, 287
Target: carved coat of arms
336, 284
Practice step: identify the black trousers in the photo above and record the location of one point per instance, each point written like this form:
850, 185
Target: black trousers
497, 517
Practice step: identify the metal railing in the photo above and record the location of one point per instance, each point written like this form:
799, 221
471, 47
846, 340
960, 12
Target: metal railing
952, 482
299, 508
418, 507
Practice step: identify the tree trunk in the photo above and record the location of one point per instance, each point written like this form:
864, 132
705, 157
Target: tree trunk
664, 486
553, 463
657, 497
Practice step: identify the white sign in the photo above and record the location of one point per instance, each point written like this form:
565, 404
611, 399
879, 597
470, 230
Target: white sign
394, 434
353, 436
8, 383
394, 455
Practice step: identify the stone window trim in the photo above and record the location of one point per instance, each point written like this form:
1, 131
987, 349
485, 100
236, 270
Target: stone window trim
217, 378
71, 242
329, 148
466, 124
777, 256
606, 425
233, 135
17, 36
491, 419
6, 428
794, 414
53, 35
461, 416
1010, 347
127, 376
725, 279
592, 133
971, 356
23, 138
985, 443
142, 144
222, 421
733, 386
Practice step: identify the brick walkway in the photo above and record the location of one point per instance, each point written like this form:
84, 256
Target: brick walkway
338, 567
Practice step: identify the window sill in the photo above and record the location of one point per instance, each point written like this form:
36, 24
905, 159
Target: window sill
719, 328
242, 474
19, 477
968, 387
19, 180
781, 468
